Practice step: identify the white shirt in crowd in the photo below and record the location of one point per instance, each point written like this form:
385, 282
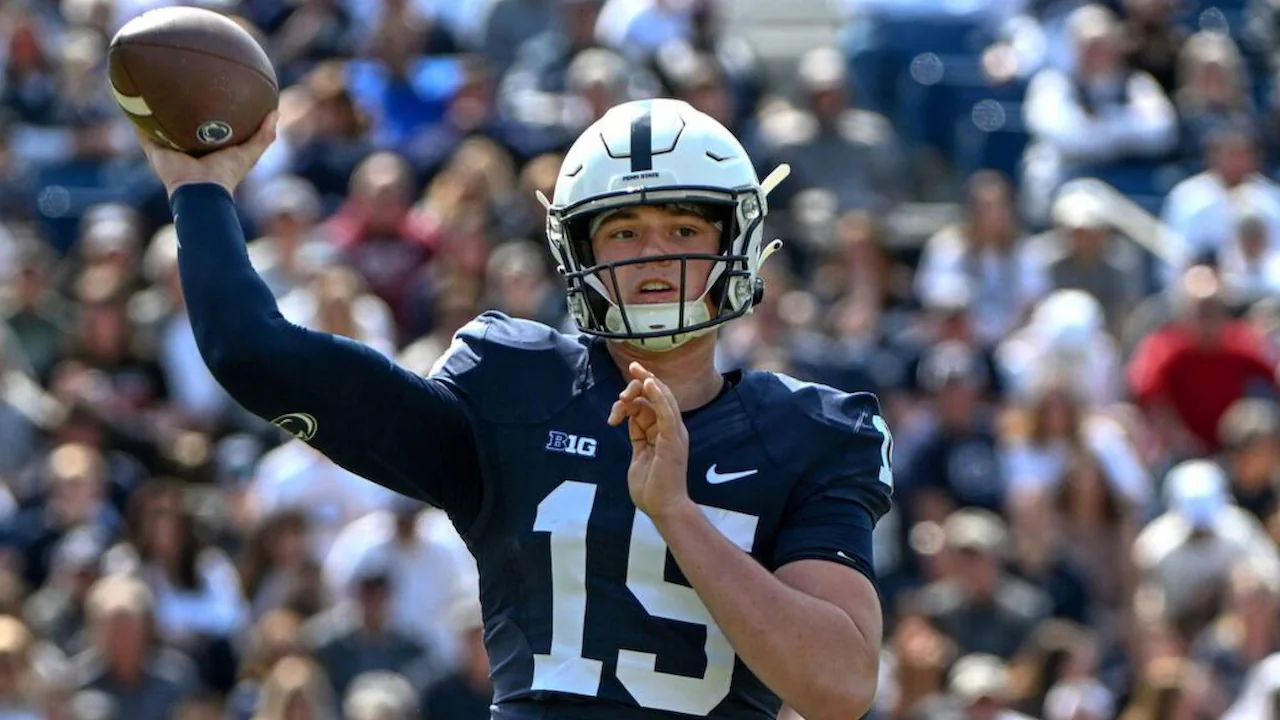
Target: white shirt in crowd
430, 575
1204, 213
1182, 567
1039, 469
215, 608
295, 476
1000, 286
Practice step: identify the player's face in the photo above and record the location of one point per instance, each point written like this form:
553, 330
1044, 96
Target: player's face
645, 231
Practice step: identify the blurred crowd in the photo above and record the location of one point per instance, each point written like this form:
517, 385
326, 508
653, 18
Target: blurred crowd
1045, 232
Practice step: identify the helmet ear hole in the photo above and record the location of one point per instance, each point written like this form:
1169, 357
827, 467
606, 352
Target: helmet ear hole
757, 292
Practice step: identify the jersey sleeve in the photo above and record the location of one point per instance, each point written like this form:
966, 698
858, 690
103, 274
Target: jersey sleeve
411, 434
844, 491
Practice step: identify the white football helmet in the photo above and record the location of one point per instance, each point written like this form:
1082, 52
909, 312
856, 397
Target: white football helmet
659, 152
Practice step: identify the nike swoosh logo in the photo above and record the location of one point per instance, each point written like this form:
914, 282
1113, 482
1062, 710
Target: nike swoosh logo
715, 478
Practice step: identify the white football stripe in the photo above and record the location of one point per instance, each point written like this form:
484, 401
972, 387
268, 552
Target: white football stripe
132, 104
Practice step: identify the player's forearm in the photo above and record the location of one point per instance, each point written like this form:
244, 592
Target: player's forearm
805, 649
230, 306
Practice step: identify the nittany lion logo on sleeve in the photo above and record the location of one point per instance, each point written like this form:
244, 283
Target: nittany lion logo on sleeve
300, 425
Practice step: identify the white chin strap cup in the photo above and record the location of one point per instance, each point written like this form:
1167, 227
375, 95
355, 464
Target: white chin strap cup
656, 318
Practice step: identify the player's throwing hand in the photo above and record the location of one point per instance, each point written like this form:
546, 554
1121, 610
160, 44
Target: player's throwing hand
226, 167
657, 477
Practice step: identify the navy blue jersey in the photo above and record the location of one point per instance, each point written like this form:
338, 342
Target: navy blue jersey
586, 613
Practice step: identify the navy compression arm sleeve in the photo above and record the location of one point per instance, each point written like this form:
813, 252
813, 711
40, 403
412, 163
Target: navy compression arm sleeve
408, 433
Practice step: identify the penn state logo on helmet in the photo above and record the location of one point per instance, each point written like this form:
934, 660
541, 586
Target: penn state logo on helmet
214, 132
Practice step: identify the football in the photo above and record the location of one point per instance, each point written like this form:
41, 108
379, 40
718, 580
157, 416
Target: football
192, 79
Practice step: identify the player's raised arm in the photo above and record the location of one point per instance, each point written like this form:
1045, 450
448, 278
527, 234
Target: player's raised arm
408, 433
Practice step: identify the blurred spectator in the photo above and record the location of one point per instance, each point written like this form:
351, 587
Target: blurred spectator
296, 476
25, 409
521, 287
1079, 700
19, 684
1261, 692
306, 33
200, 706
1081, 254
275, 636
1243, 635
397, 80
978, 689
1066, 537
465, 693
75, 496
359, 633
833, 144
199, 605
536, 89
732, 57
192, 582
987, 253
1204, 209
455, 303
1166, 691
1153, 39
977, 604
296, 687
1053, 430
1249, 262
290, 249
328, 136
33, 309
198, 399
474, 110
1101, 112
56, 611
430, 571
1213, 90
384, 696
277, 567
1189, 551
1250, 437
639, 28
1187, 373
378, 234
508, 24
126, 660
1065, 340
956, 464
464, 202
334, 301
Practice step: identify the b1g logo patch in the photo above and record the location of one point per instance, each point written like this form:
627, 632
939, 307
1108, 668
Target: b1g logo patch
214, 132
563, 442
300, 425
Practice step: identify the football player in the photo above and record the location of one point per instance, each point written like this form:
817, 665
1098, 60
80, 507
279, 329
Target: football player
655, 538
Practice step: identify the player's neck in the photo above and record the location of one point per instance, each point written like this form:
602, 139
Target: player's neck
689, 370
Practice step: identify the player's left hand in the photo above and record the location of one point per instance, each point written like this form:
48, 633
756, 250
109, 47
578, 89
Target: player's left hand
659, 468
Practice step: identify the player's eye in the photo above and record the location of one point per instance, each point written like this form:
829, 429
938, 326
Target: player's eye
623, 234
687, 231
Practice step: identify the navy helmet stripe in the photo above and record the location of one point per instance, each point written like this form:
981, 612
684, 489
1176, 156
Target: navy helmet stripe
642, 142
